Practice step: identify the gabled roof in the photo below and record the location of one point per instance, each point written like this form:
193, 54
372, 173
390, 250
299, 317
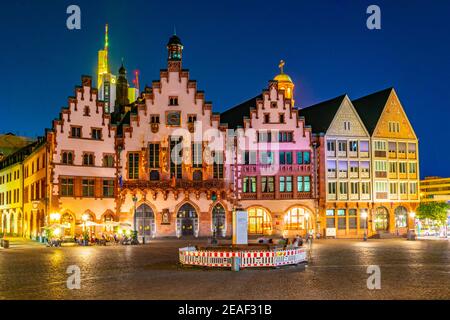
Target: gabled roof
371, 107
234, 117
320, 116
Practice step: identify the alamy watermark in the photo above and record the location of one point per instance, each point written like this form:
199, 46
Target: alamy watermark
74, 279
374, 20
73, 22
374, 280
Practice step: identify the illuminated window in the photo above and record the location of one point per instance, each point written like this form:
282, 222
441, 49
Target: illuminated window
153, 157
297, 219
267, 184
133, 165
108, 188
66, 187
88, 187
259, 221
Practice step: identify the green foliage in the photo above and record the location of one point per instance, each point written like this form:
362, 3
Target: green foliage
436, 211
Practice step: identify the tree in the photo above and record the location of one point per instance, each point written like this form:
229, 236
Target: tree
436, 211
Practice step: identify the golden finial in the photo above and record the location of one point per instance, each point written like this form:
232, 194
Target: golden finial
281, 65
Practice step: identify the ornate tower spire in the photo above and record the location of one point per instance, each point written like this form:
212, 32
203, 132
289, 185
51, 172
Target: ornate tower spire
175, 52
107, 48
122, 89
285, 83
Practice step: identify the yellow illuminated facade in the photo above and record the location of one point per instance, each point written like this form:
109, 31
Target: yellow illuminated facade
435, 189
285, 83
35, 184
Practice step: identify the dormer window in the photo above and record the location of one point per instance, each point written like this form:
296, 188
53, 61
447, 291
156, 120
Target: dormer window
192, 118
154, 119
347, 125
87, 111
75, 132
173, 101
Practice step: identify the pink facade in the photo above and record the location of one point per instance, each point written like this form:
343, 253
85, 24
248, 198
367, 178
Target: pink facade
82, 166
274, 163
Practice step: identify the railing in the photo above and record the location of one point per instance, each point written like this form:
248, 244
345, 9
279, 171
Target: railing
274, 168
248, 259
165, 184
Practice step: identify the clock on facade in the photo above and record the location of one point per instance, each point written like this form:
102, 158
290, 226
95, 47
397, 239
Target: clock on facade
173, 118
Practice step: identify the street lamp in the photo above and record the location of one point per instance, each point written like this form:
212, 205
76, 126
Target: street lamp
55, 217
364, 217
135, 199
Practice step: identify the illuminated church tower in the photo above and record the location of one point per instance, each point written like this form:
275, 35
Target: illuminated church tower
285, 83
106, 82
175, 52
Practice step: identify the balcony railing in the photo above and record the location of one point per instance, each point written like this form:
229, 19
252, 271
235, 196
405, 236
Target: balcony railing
179, 184
274, 168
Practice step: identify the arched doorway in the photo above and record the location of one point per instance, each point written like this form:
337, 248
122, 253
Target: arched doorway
298, 219
381, 219
259, 221
401, 217
187, 221
69, 225
145, 223
218, 220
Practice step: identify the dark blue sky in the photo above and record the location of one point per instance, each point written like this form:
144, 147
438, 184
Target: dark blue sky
233, 48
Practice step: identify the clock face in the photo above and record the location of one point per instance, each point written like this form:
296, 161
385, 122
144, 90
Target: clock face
173, 118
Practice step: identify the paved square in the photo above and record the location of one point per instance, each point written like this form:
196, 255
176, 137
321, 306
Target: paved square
409, 270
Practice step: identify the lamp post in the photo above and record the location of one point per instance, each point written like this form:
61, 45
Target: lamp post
85, 218
412, 231
364, 217
135, 235
54, 218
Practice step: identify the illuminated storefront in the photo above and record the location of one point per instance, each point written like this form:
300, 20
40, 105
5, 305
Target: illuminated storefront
259, 221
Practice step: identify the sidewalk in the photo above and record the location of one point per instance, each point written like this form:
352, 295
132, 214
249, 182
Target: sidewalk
21, 243
432, 238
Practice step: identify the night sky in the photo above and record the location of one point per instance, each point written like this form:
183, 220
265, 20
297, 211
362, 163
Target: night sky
232, 49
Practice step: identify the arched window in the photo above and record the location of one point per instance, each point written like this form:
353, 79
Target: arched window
187, 220
297, 219
259, 221
145, 221
87, 111
381, 219
401, 217
218, 219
